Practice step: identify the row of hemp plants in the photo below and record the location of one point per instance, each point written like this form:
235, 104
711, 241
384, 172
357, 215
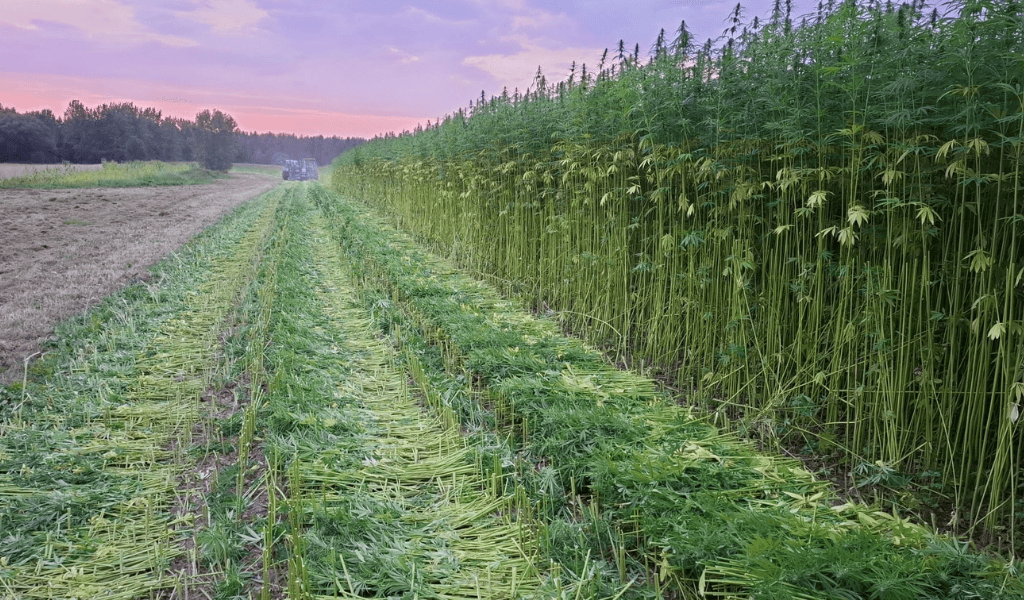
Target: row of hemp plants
811, 226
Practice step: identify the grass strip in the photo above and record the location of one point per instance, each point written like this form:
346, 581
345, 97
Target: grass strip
701, 513
92, 445
273, 170
131, 174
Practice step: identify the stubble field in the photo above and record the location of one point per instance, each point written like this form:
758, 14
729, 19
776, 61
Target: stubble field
66, 249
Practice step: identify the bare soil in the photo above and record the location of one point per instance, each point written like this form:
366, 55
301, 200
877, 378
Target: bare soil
62, 251
8, 170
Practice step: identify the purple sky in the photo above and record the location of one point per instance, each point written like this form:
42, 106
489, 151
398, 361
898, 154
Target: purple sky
348, 68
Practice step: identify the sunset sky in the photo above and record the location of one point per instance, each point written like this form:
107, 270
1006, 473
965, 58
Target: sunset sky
347, 68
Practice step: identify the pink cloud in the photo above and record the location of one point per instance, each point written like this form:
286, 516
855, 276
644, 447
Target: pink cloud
226, 15
519, 69
318, 122
38, 92
109, 20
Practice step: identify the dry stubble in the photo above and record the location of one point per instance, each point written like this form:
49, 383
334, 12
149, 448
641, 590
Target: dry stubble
61, 251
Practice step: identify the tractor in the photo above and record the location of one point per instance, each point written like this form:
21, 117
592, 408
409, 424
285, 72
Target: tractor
299, 170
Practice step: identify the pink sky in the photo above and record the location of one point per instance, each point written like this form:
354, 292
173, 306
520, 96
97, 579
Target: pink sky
348, 68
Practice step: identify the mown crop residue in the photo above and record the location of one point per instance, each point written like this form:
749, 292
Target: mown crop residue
213, 493
384, 498
90, 457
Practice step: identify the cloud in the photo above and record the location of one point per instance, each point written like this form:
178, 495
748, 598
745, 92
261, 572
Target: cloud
106, 19
253, 112
535, 36
422, 15
226, 15
518, 70
37, 91
318, 122
404, 57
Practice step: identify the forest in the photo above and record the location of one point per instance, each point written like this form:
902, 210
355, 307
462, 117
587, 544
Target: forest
125, 132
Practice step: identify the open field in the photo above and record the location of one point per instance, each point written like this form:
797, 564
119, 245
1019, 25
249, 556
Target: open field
304, 402
9, 170
736, 320
64, 250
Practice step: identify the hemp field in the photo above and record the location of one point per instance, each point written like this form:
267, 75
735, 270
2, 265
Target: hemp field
304, 402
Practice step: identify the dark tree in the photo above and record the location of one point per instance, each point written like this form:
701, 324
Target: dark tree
125, 132
80, 142
215, 140
26, 138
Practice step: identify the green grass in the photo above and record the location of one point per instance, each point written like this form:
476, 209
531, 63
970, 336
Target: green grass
274, 170
133, 174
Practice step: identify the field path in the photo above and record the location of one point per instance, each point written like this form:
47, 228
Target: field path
383, 496
64, 250
416, 465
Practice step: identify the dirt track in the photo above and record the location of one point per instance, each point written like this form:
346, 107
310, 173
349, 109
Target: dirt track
62, 251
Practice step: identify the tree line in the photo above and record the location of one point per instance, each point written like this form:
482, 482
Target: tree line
125, 132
